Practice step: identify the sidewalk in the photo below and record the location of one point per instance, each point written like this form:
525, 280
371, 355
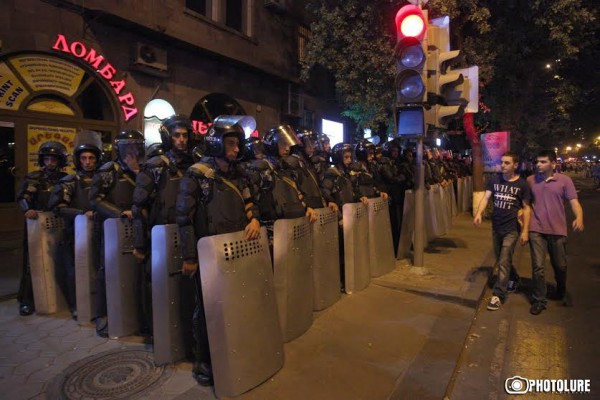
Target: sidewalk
400, 338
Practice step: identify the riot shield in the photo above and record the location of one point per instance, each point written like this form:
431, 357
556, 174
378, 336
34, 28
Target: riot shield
44, 235
444, 211
292, 268
430, 215
460, 190
381, 246
357, 273
326, 259
440, 227
166, 300
448, 203
408, 225
121, 278
246, 346
86, 259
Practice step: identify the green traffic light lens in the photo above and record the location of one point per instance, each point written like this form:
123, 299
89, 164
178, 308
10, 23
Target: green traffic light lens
412, 56
411, 86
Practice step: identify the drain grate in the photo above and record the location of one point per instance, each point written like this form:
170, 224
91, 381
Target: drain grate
121, 374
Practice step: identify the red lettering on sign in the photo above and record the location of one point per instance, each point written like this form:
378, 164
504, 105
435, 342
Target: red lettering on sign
78, 49
117, 86
93, 59
201, 127
129, 112
62, 42
108, 72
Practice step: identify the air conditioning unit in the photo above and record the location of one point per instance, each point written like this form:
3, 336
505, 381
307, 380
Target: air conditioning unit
276, 5
150, 56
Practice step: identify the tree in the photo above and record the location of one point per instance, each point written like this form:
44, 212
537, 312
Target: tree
511, 41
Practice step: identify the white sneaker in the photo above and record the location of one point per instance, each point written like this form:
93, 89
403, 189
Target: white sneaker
494, 303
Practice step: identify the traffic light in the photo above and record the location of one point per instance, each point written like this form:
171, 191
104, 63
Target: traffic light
411, 56
444, 85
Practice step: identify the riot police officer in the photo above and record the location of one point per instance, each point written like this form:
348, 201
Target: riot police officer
70, 198
155, 195
33, 196
365, 175
158, 181
283, 198
214, 198
111, 196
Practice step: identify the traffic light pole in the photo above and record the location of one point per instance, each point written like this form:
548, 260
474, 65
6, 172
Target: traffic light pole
419, 241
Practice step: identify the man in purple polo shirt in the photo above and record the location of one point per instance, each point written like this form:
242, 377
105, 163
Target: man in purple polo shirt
548, 227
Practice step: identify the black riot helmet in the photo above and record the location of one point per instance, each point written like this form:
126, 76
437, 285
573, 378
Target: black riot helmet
307, 135
337, 153
283, 134
363, 148
227, 125
155, 149
322, 141
87, 141
53, 149
168, 126
130, 141
255, 149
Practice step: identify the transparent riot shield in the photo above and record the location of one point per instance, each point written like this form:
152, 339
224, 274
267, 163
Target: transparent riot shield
444, 210
326, 259
86, 261
460, 190
357, 273
44, 235
430, 215
122, 272
381, 246
246, 345
448, 202
166, 299
408, 226
292, 267
440, 227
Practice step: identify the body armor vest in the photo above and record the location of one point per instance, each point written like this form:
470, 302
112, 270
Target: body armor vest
344, 192
121, 194
81, 198
225, 209
286, 202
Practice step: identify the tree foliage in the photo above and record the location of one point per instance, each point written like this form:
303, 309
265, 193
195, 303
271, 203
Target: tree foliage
511, 41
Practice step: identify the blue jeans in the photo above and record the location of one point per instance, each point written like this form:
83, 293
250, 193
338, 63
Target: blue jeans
504, 248
556, 246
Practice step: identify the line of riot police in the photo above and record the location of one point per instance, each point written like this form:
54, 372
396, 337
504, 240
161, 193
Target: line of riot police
220, 184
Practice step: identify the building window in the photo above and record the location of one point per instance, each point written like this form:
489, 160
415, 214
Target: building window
198, 6
303, 36
234, 13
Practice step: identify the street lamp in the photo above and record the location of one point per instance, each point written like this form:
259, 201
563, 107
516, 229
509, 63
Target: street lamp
569, 148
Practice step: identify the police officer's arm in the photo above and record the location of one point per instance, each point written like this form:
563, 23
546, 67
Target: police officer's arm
252, 230
61, 196
145, 186
101, 186
328, 188
187, 203
26, 193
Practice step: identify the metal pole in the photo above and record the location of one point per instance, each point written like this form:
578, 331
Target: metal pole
419, 242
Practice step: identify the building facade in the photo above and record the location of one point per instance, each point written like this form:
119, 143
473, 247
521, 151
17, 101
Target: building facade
98, 64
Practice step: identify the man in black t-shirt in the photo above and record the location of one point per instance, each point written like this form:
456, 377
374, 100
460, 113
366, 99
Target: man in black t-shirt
510, 193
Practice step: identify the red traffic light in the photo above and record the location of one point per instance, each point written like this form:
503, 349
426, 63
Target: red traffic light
410, 22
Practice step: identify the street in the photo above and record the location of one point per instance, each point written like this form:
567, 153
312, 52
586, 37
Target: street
561, 343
